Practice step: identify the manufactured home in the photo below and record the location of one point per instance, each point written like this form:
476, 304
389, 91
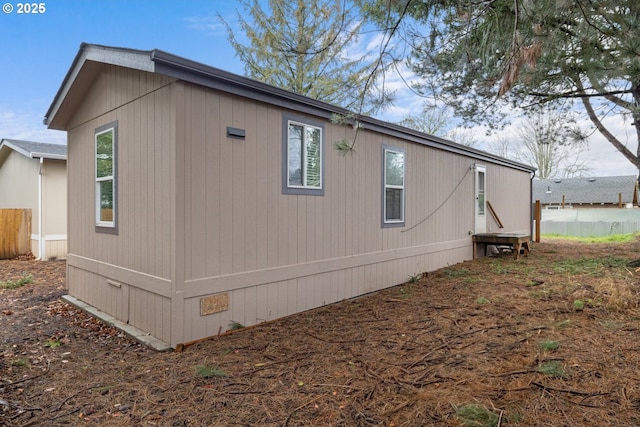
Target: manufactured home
33, 176
202, 198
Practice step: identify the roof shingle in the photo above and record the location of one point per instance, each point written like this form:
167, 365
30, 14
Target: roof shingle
585, 190
36, 149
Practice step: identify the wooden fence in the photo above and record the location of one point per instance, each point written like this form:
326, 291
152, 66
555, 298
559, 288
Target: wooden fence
15, 233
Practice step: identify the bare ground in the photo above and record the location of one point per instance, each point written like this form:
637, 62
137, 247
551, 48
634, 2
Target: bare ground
471, 336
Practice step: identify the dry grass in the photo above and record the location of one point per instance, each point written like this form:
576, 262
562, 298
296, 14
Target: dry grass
619, 295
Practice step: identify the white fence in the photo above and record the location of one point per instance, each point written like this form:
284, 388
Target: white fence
590, 222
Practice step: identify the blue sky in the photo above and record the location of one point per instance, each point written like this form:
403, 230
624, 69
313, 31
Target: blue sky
36, 50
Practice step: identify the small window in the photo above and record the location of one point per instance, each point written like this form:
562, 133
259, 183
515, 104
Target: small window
393, 186
303, 157
481, 191
106, 138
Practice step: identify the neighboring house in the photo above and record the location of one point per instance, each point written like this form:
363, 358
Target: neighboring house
202, 198
33, 175
594, 192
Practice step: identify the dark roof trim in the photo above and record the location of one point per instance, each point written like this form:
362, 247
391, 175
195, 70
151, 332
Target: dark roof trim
215, 78
433, 141
161, 62
132, 58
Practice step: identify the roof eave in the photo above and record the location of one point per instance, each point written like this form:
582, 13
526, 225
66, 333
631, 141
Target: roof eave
130, 58
48, 156
215, 78
443, 144
14, 145
15, 148
161, 62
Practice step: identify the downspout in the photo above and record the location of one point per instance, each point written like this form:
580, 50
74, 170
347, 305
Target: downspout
40, 233
531, 204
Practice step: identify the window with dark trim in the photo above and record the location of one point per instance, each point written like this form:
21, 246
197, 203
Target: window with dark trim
105, 145
393, 188
303, 156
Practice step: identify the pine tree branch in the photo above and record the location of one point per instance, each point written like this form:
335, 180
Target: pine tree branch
578, 94
604, 131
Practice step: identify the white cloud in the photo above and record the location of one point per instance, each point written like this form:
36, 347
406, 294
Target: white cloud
28, 126
407, 102
604, 159
210, 24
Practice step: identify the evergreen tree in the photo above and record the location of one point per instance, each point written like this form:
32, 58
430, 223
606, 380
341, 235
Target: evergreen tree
482, 56
308, 47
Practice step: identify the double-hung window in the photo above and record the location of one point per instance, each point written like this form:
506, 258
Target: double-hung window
303, 157
393, 186
106, 139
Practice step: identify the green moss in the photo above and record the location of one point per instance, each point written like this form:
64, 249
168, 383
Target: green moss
475, 415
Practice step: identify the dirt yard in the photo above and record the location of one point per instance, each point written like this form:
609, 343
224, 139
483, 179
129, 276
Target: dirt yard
549, 340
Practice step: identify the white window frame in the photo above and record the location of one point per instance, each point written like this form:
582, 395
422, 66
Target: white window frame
304, 189
394, 222
106, 226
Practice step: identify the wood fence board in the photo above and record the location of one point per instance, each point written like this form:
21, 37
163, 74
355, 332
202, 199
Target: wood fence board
15, 233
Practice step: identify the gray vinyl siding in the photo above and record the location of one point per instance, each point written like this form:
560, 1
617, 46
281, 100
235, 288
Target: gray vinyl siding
56, 248
54, 208
145, 196
237, 220
19, 185
278, 254
54, 192
509, 192
139, 259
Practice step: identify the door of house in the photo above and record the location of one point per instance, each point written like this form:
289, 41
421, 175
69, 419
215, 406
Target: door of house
480, 199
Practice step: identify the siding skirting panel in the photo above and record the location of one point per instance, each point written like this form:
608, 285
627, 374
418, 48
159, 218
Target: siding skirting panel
231, 282
264, 295
55, 249
137, 299
156, 285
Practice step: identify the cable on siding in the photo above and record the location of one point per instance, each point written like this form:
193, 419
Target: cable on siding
443, 202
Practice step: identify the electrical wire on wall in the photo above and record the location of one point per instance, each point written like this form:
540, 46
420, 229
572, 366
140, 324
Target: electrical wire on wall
471, 167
